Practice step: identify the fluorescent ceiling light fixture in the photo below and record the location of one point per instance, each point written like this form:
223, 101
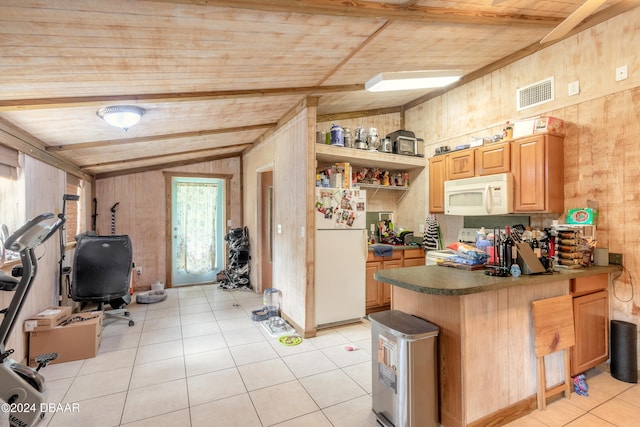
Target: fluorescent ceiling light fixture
121, 116
406, 80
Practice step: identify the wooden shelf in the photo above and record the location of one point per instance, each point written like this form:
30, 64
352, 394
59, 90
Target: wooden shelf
402, 190
365, 158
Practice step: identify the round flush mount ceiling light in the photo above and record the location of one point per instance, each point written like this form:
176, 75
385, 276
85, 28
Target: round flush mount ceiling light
121, 116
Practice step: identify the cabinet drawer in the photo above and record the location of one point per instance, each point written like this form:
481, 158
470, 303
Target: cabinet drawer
413, 262
394, 255
413, 253
589, 284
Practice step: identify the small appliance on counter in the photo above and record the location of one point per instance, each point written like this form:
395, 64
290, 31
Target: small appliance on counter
404, 142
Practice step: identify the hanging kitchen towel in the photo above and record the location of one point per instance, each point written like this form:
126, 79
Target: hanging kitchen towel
431, 234
383, 250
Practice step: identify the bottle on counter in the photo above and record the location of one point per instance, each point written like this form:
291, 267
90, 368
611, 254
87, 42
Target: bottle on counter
507, 132
507, 248
535, 244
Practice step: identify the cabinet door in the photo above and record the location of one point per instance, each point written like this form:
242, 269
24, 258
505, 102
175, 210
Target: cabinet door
385, 287
537, 163
373, 297
461, 165
529, 174
591, 316
437, 176
492, 159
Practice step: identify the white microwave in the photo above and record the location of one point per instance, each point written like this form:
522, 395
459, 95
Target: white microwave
482, 195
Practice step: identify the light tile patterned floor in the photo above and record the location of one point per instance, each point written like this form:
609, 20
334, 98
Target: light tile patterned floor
197, 360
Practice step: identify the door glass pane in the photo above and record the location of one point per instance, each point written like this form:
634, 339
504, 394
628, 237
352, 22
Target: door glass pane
197, 229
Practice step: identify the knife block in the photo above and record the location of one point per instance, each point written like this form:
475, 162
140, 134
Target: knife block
527, 260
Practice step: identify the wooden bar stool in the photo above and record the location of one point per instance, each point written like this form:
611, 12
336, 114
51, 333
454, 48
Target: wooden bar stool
553, 331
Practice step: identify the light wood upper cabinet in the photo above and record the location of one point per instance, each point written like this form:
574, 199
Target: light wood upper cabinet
437, 176
536, 162
460, 164
492, 159
537, 165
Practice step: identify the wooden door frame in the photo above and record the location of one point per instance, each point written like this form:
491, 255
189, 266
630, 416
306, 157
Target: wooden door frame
269, 167
168, 176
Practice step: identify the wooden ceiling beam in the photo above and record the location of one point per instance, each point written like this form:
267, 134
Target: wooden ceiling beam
358, 114
165, 165
155, 138
99, 100
28, 144
408, 11
235, 147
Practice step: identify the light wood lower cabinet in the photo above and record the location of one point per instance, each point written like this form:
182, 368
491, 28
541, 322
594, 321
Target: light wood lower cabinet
591, 318
378, 294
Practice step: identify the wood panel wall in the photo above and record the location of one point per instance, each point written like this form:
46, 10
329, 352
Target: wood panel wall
601, 148
141, 212
286, 152
43, 186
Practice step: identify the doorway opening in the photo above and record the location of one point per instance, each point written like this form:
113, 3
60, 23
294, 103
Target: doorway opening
197, 217
266, 221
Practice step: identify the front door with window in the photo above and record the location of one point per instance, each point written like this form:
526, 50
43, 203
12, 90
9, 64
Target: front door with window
197, 220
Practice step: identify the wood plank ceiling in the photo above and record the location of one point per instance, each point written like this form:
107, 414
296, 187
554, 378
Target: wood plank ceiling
215, 76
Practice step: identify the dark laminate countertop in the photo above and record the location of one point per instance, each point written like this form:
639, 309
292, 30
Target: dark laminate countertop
395, 247
437, 280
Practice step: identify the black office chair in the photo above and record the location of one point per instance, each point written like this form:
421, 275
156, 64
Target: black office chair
101, 273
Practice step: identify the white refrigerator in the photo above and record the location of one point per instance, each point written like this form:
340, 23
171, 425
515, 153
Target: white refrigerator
341, 255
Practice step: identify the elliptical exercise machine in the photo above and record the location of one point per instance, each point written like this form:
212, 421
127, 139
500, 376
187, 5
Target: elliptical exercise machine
22, 387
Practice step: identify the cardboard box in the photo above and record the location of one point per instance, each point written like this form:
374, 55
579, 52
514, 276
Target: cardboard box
523, 127
74, 341
549, 124
47, 319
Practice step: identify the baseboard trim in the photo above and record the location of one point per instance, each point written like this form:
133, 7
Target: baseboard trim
508, 414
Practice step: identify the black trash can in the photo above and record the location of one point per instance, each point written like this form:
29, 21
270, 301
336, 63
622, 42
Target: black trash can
624, 351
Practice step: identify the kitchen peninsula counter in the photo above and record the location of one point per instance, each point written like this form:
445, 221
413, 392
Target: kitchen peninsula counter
437, 280
486, 359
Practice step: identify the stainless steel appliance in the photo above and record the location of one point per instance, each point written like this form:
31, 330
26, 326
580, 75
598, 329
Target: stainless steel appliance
404, 142
360, 138
373, 140
385, 145
404, 371
348, 138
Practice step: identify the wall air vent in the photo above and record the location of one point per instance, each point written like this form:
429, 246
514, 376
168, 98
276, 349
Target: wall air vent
535, 94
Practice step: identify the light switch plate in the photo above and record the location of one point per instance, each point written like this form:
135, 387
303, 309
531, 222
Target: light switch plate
574, 88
